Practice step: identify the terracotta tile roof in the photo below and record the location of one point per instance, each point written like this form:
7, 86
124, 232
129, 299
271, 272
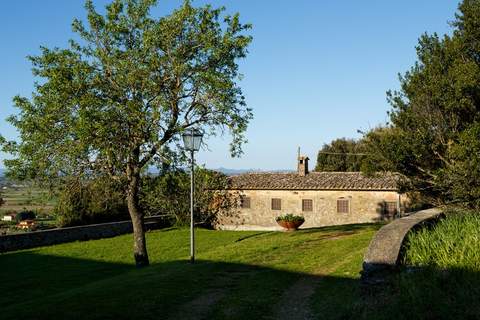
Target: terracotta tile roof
314, 181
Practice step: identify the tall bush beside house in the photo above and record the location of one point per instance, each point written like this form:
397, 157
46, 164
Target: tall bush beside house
168, 194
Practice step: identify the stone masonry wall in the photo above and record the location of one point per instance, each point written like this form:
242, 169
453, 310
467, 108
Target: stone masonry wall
61, 235
365, 206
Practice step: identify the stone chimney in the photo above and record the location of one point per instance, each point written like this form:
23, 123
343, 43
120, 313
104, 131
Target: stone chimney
302, 165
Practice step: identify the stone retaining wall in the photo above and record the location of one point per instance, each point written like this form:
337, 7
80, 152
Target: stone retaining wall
385, 249
42, 238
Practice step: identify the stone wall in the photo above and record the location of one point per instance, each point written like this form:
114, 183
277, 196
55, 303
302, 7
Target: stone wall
365, 206
34, 239
385, 250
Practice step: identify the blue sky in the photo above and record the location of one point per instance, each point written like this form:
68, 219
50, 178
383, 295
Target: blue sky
317, 69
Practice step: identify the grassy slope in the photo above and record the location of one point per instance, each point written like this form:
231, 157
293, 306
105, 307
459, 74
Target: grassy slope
239, 275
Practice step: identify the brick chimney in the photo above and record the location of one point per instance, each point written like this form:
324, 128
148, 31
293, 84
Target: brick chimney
302, 165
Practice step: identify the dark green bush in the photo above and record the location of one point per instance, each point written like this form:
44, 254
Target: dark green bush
25, 215
92, 201
100, 200
168, 194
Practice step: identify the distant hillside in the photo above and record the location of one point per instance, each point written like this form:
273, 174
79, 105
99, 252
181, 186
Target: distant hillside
226, 171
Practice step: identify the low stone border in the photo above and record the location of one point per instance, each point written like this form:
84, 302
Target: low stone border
42, 238
385, 249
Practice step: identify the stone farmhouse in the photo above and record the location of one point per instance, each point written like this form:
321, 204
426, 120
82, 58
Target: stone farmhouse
323, 198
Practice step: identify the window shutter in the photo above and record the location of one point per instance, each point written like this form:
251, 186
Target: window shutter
245, 202
307, 205
343, 206
276, 204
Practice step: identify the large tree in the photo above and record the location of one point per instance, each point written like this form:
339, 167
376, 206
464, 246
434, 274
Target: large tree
340, 155
111, 102
436, 115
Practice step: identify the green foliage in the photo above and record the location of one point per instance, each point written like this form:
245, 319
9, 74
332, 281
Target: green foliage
290, 218
435, 114
131, 86
90, 201
2, 201
117, 101
169, 194
462, 177
452, 243
340, 155
25, 215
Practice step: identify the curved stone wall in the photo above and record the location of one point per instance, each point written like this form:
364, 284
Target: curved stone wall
384, 251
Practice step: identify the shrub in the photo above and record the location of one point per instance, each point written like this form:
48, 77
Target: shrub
290, 218
168, 194
92, 201
25, 215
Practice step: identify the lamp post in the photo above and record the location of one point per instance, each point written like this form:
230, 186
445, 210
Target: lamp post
192, 139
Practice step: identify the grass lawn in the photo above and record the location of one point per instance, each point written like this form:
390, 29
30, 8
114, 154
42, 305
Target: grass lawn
309, 274
239, 275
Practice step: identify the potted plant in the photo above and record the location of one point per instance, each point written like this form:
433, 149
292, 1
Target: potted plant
290, 221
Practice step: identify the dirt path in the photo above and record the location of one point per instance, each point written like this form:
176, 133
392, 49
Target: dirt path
295, 303
200, 306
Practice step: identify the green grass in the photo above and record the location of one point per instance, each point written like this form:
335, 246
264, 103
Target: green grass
452, 243
239, 275
244, 275
441, 277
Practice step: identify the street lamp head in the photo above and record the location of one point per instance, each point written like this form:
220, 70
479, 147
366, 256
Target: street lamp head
192, 139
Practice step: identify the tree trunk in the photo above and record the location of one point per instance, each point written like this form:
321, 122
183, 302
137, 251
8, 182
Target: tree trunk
136, 214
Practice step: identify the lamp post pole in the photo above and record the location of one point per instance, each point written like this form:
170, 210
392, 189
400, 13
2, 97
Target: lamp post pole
192, 230
192, 139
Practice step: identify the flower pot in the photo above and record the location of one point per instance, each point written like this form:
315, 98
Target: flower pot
290, 225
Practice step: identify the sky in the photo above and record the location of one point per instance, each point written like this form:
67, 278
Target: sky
317, 70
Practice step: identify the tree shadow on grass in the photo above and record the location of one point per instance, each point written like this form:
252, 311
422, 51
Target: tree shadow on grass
38, 286
27, 275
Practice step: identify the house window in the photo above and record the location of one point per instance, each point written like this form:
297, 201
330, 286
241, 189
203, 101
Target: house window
343, 206
307, 205
245, 202
276, 204
390, 209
